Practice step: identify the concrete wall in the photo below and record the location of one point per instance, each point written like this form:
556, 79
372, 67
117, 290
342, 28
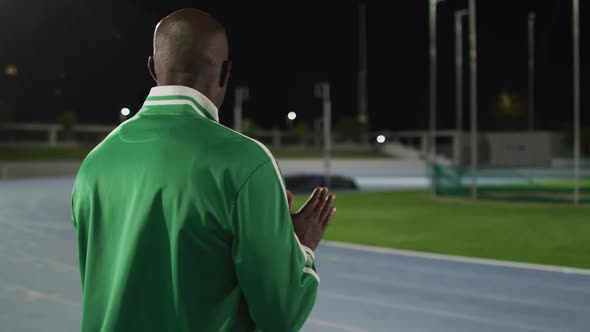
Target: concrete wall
524, 148
32, 169
346, 167
354, 167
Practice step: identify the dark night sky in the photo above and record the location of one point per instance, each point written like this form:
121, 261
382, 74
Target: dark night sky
90, 57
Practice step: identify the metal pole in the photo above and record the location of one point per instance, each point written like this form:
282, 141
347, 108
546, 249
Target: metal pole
327, 133
362, 78
322, 90
433, 92
459, 83
531, 71
473, 95
241, 96
577, 145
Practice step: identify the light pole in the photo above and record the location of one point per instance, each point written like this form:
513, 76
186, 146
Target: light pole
433, 92
576, 68
531, 40
241, 96
459, 82
473, 95
362, 78
322, 90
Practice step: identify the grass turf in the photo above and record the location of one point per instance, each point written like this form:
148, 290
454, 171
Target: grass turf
535, 233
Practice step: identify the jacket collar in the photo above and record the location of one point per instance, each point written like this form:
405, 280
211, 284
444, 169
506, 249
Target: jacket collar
182, 95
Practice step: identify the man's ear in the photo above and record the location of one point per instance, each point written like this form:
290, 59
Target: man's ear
152, 68
225, 71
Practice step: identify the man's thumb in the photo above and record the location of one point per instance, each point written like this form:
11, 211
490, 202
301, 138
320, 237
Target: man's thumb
290, 201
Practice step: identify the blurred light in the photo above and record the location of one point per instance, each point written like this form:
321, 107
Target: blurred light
505, 100
292, 116
380, 139
11, 70
125, 111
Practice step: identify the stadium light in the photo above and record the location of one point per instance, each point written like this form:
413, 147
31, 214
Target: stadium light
125, 111
292, 116
11, 70
380, 139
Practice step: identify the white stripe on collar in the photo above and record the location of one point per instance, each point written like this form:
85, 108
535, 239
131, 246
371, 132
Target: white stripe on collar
179, 90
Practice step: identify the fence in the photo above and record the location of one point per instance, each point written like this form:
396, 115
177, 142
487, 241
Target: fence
85, 134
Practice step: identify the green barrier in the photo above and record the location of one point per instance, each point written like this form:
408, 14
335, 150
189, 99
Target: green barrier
505, 184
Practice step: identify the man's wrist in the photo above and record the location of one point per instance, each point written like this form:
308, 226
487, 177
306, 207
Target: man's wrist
308, 251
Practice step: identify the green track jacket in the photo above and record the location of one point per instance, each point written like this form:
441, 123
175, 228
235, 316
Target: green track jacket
183, 225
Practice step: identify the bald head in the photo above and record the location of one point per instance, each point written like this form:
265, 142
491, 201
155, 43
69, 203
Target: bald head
191, 49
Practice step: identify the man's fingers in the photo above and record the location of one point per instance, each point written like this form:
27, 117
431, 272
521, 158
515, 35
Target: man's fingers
326, 208
323, 196
326, 221
322, 202
317, 197
311, 202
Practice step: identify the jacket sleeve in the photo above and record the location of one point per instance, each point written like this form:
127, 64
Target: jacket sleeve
275, 271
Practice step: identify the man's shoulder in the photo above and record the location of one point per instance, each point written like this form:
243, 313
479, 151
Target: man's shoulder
95, 159
241, 149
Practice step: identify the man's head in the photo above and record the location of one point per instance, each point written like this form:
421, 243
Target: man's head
191, 49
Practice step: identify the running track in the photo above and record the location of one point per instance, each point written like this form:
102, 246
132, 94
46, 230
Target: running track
362, 289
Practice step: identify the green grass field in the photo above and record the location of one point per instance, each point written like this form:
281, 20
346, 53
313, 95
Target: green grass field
535, 233
553, 184
78, 153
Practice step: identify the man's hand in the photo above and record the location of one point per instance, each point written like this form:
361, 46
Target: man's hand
313, 218
290, 200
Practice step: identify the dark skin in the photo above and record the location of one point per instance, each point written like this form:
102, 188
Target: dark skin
191, 49
312, 220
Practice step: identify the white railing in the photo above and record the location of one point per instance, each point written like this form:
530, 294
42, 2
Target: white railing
89, 134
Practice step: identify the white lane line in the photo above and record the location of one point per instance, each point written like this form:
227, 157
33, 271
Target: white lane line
463, 275
434, 312
29, 294
23, 227
459, 292
27, 258
335, 326
33, 224
460, 259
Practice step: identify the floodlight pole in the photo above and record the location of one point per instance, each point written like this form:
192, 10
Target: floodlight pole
459, 83
241, 96
362, 76
576, 79
473, 95
322, 90
433, 93
531, 79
